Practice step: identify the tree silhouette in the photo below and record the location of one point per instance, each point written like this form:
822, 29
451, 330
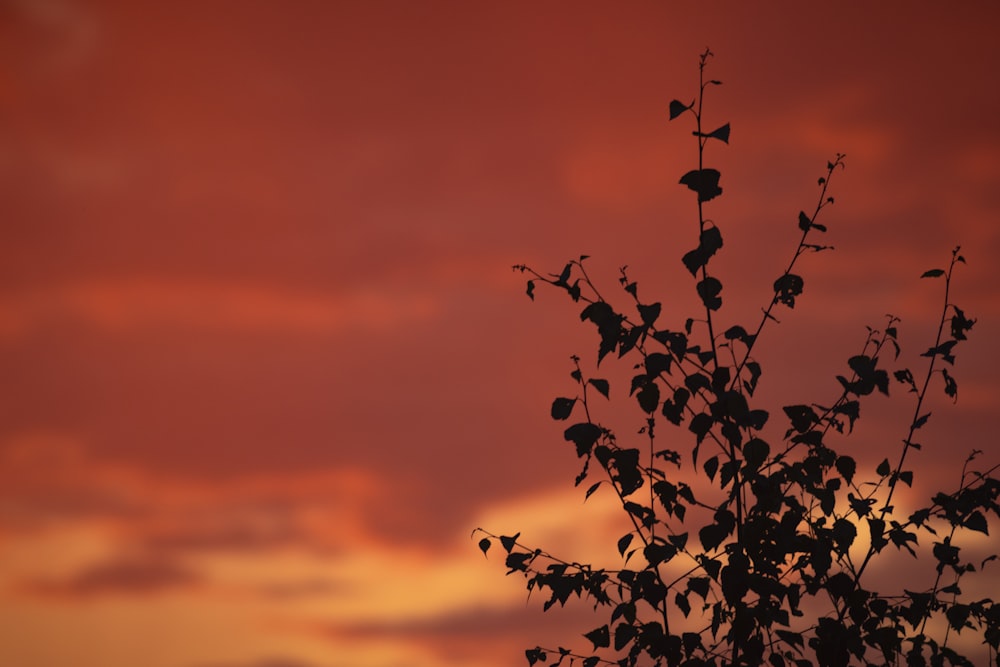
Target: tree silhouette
752, 546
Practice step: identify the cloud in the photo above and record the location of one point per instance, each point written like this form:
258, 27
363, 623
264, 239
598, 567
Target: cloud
125, 576
140, 304
300, 589
327, 577
265, 662
175, 532
478, 635
47, 477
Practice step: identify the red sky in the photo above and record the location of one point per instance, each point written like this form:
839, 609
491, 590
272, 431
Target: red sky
265, 364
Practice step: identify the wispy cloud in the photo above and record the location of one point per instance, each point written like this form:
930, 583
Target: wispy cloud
266, 662
128, 576
138, 304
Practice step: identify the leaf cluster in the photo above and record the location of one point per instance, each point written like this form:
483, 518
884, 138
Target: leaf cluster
754, 544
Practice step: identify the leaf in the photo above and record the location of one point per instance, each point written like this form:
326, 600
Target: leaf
883, 468
682, 603
721, 133
608, 325
649, 397
844, 533
673, 409
792, 638
698, 381
876, 527
787, 287
508, 542
574, 290
944, 349
599, 637
960, 324
933, 273
700, 425
584, 435
804, 221
641, 512
657, 552
703, 181
755, 373
950, 385
649, 313
601, 386
710, 565
869, 376
624, 542
593, 487
904, 376
735, 579
656, 363
757, 418
717, 615
518, 561
921, 421
531, 290
692, 643
694, 260
484, 545
976, 521
627, 474
846, 467
958, 615
675, 341
901, 538
679, 541
624, 633
801, 416
852, 409
755, 453
736, 332
860, 506
711, 466
709, 290
709, 242
677, 108
711, 536
946, 553
699, 585
562, 408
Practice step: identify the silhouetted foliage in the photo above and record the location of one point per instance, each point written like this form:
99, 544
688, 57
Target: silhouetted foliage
766, 563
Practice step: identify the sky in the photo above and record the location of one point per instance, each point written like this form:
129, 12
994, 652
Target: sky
265, 362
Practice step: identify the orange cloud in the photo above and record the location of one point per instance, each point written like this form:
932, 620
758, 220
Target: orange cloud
143, 304
128, 576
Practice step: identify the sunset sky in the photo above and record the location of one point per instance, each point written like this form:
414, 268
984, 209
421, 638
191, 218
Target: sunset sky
264, 361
